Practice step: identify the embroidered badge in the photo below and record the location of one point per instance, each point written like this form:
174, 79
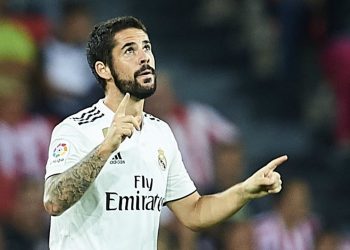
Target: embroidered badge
59, 153
162, 159
60, 150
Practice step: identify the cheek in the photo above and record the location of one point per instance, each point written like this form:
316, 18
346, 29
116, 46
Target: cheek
124, 71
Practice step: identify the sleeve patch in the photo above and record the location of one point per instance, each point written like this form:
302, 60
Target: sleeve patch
59, 153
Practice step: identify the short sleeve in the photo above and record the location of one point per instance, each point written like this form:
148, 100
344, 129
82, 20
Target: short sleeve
67, 147
179, 183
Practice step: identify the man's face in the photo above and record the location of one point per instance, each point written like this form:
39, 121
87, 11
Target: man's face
133, 62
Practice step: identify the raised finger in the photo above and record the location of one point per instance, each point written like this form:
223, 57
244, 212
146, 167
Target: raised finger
272, 165
122, 105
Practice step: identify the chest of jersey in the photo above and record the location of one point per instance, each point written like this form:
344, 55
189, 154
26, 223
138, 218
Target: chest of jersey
135, 176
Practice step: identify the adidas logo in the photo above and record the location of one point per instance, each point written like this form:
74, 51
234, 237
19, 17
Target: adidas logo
117, 159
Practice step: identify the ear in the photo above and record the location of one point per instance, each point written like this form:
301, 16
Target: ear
103, 70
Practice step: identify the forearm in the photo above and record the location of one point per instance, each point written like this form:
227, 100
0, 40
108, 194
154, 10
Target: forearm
212, 209
198, 212
65, 189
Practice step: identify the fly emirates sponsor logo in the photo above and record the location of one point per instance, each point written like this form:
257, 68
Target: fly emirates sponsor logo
116, 201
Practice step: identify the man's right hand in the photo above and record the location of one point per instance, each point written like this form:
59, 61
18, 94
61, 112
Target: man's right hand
264, 181
122, 126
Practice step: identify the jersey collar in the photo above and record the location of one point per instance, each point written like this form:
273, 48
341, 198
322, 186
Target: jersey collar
110, 114
102, 106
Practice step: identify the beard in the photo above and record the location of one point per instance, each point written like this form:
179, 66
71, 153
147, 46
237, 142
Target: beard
134, 87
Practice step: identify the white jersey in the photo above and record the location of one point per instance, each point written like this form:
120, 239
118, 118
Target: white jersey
121, 208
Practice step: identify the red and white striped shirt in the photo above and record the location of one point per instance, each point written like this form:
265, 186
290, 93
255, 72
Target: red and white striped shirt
271, 233
197, 128
23, 152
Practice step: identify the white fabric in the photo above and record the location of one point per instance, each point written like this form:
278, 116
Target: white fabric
146, 171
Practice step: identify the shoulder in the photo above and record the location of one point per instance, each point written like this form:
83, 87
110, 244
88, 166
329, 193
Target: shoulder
153, 120
81, 121
158, 128
86, 116
156, 122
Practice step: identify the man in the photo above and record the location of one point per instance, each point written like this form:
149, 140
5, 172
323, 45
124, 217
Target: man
112, 167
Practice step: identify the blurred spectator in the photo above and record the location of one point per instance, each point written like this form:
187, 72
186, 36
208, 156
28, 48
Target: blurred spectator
292, 225
24, 140
27, 227
336, 61
216, 12
17, 48
300, 29
239, 236
229, 164
69, 80
30, 15
37, 25
327, 241
22, 33
260, 39
332, 240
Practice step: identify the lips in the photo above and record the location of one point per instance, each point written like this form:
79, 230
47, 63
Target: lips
146, 72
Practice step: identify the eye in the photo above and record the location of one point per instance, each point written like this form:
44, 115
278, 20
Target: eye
129, 50
147, 47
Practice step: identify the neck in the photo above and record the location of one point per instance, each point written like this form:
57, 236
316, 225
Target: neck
134, 107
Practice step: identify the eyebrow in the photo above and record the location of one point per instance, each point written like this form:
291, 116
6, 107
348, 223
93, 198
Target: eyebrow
132, 43
127, 45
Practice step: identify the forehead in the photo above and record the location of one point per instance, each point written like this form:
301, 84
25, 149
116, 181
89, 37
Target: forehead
130, 35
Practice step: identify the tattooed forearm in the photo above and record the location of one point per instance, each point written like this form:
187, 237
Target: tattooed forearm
63, 190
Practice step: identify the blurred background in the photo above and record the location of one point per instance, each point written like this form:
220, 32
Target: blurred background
240, 82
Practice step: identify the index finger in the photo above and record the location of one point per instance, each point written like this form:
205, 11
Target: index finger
122, 105
272, 165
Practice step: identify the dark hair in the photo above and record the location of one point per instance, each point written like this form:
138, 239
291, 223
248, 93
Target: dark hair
101, 41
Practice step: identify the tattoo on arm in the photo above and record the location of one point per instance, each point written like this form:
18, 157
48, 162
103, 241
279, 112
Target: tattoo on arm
63, 190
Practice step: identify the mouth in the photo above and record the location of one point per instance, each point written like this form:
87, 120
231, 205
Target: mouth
146, 77
146, 73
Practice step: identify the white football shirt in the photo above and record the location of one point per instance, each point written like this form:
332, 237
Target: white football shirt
121, 208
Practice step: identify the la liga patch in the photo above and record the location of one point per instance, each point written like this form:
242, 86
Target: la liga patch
60, 150
59, 153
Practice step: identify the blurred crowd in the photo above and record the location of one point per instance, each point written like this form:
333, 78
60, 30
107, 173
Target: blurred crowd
239, 82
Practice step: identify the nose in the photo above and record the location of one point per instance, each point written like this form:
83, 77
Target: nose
144, 58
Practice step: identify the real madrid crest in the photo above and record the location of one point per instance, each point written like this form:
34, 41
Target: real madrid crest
161, 159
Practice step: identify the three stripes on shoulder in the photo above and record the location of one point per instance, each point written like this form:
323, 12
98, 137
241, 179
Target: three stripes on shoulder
89, 116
